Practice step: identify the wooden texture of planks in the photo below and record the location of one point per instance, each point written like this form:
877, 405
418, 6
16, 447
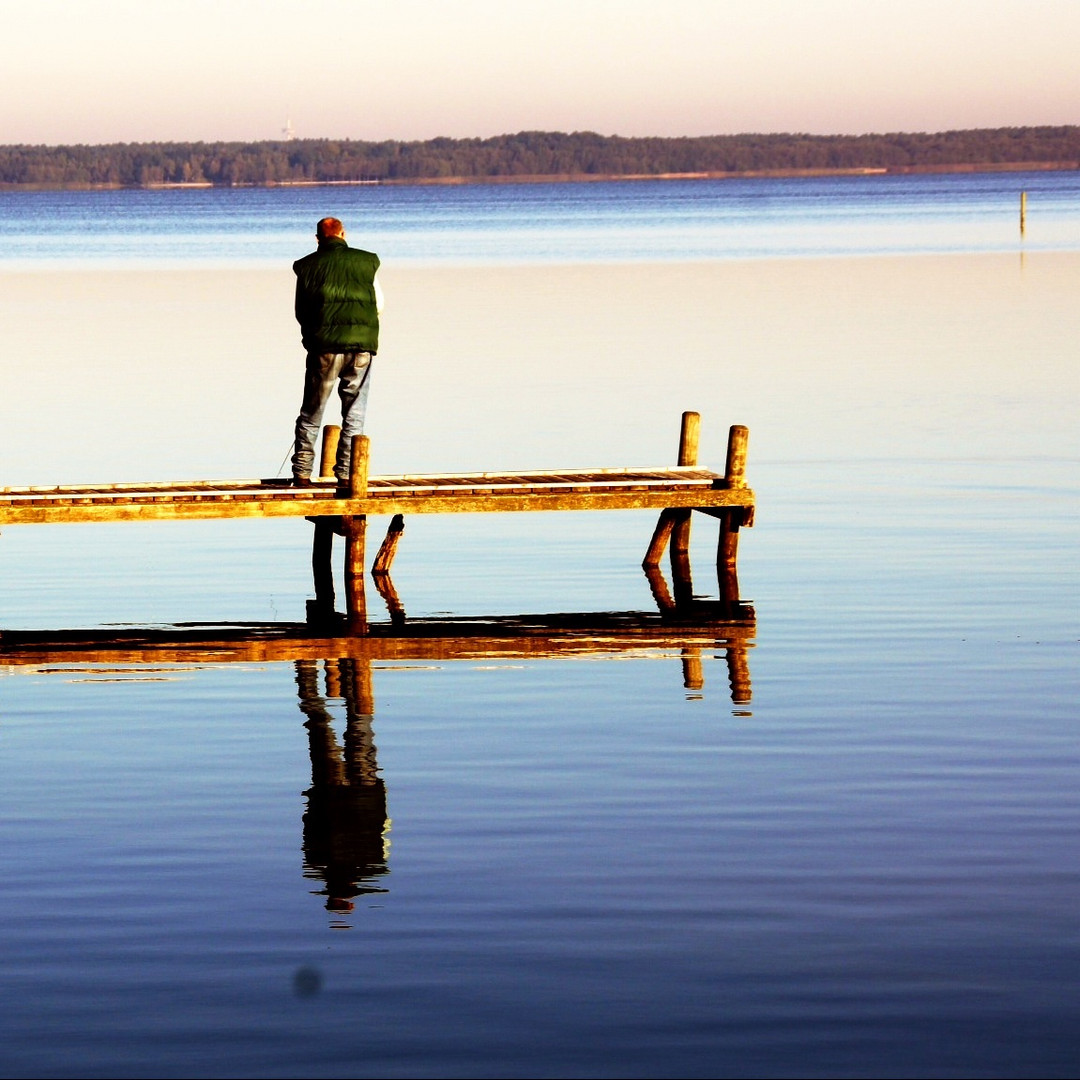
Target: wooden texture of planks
586, 489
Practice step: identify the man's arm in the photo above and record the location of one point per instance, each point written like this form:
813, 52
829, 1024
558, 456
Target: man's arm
299, 305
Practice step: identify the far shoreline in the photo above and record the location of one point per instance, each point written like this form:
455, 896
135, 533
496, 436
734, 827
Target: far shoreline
573, 178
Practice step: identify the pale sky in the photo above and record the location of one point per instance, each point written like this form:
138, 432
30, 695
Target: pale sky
141, 70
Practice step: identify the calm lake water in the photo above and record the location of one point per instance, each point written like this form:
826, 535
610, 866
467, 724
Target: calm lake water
861, 859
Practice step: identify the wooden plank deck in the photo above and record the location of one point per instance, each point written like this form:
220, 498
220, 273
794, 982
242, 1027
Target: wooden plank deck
585, 489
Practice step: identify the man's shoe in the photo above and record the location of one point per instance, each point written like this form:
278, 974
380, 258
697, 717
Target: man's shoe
302, 481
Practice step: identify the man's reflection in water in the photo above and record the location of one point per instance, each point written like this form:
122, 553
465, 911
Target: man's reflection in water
345, 824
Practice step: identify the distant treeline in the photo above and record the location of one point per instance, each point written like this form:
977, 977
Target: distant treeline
528, 154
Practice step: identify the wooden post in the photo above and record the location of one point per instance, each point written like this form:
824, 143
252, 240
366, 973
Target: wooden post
322, 544
1023, 213
681, 580
358, 467
331, 434
388, 550
735, 468
322, 568
661, 534
680, 533
727, 558
355, 526
688, 438
727, 550
380, 570
355, 531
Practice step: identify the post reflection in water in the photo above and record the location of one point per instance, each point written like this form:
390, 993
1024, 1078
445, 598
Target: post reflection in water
345, 823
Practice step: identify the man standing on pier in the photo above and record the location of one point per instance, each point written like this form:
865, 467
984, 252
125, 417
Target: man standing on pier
338, 301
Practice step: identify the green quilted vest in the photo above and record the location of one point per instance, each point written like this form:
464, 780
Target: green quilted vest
335, 298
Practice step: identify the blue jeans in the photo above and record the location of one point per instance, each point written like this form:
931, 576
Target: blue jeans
352, 372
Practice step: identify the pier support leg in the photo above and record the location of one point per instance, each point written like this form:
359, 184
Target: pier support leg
321, 609
388, 550
322, 569
380, 570
355, 526
689, 436
727, 551
681, 581
661, 534
356, 602
674, 525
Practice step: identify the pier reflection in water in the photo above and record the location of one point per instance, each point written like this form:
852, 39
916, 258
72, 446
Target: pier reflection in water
345, 833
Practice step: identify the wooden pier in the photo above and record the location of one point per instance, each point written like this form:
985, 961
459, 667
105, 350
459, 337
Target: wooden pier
676, 491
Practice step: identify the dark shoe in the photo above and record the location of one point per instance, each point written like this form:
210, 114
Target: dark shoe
302, 481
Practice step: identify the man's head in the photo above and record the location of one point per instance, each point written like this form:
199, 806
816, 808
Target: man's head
329, 226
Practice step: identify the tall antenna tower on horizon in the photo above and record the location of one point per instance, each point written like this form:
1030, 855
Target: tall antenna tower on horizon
288, 132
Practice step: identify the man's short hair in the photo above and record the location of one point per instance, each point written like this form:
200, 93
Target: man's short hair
329, 226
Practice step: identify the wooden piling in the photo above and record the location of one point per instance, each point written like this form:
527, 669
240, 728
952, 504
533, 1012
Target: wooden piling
661, 534
358, 467
355, 526
331, 434
322, 544
1023, 213
322, 568
735, 467
689, 435
727, 550
355, 532
388, 549
682, 583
